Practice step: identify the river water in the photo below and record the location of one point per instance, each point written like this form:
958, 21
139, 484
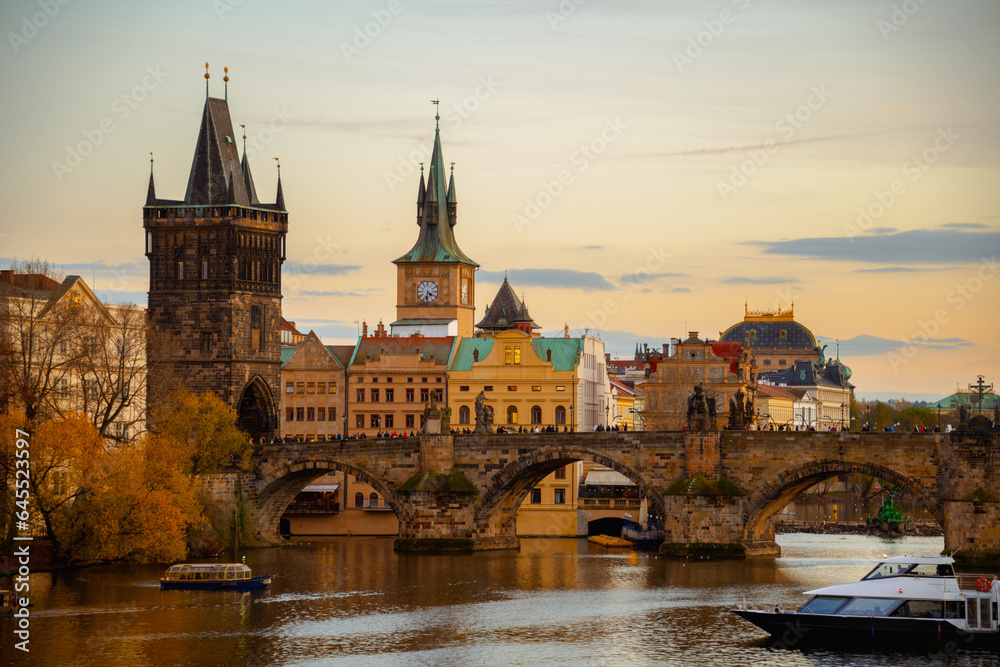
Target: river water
354, 601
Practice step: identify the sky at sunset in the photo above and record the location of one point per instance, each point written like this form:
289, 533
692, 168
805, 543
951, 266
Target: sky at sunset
639, 169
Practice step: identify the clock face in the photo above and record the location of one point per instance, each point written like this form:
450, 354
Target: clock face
427, 291
465, 293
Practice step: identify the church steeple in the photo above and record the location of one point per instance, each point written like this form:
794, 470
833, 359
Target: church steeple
436, 212
279, 200
151, 193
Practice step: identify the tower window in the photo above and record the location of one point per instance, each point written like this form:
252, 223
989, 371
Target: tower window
204, 269
180, 270
256, 325
507, 355
517, 355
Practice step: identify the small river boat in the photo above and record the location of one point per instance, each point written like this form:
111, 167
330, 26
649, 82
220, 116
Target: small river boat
213, 576
904, 599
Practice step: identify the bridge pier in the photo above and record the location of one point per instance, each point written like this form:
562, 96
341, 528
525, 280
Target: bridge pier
973, 527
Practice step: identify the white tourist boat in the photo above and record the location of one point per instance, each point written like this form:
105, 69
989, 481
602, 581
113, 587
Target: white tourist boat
904, 599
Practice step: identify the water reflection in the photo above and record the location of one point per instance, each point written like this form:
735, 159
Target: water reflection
355, 601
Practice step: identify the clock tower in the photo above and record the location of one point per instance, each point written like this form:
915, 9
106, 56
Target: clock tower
435, 281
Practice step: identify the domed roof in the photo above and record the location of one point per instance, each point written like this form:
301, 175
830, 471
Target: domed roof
770, 329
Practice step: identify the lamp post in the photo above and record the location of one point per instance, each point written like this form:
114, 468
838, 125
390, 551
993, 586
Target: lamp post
572, 426
607, 411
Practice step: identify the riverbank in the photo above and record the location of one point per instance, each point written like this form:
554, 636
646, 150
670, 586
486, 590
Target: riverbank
920, 528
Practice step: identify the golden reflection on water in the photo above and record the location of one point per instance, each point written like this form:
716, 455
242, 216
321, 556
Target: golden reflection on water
355, 600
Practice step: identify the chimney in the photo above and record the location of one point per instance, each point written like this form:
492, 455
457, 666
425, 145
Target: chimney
364, 329
7, 276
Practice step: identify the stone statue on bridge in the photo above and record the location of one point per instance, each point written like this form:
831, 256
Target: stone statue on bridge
699, 417
484, 415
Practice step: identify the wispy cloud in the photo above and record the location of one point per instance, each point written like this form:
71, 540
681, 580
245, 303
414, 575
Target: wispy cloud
292, 266
364, 292
758, 280
588, 281
919, 246
644, 277
867, 345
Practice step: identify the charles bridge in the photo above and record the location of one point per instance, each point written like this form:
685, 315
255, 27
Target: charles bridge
720, 493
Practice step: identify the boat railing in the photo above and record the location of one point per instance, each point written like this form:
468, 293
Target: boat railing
970, 582
743, 605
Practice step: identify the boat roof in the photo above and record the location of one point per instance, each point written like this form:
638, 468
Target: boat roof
209, 565
896, 588
933, 560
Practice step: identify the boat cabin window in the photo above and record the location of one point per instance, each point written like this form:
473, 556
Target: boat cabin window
954, 609
870, 607
911, 570
823, 604
919, 609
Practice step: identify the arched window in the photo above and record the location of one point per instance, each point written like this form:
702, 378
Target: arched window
506, 355
560, 415
517, 355
256, 325
463, 414
359, 499
373, 499
536, 415
512, 415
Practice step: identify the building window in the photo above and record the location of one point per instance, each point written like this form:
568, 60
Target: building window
331, 414
767, 362
488, 387
536, 387
517, 355
372, 499
425, 395
310, 387
206, 341
320, 387
332, 388
561, 387
389, 396
561, 473
289, 414
560, 415
180, 270
424, 380
256, 325
321, 414
536, 497
782, 334
409, 395
559, 496
512, 387
374, 395
310, 414
409, 421
512, 415
359, 500
361, 396
536, 415
359, 421
204, 269
752, 334
463, 414
464, 387
375, 421
289, 387
507, 355
389, 421
300, 414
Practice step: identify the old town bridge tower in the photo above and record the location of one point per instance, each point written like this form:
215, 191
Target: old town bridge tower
215, 280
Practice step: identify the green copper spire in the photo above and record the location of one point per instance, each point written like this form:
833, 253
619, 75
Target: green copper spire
436, 213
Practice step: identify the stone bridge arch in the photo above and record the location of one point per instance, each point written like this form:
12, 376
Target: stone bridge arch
495, 510
766, 501
279, 486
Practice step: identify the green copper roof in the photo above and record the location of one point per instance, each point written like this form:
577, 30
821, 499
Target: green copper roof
436, 216
565, 351
465, 355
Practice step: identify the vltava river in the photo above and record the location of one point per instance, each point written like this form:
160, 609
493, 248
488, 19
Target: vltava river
353, 601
